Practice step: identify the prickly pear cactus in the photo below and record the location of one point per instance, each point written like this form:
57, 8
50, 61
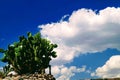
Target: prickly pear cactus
30, 54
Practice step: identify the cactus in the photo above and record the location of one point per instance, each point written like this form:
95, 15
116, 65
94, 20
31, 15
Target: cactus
30, 54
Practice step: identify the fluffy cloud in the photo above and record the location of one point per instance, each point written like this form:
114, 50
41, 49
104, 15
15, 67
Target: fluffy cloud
109, 69
65, 73
1, 68
85, 31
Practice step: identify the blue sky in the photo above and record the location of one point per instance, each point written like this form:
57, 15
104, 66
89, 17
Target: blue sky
88, 38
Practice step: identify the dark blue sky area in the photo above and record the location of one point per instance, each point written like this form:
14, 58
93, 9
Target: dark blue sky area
28, 14
20, 16
17, 17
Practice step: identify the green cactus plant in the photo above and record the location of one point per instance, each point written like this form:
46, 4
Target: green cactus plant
30, 54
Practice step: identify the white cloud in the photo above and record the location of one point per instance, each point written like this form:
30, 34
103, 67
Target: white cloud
92, 74
65, 73
110, 69
1, 68
85, 31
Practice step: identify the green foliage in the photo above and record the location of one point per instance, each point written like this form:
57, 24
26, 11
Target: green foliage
2, 74
30, 54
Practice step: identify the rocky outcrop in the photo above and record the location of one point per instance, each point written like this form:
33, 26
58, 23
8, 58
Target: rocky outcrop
35, 76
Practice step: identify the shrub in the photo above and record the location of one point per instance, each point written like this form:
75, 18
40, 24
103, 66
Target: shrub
30, 54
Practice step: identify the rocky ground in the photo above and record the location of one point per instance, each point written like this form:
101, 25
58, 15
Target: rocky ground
30, 77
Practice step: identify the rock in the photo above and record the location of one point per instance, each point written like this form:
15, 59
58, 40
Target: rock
12, 73
31, 77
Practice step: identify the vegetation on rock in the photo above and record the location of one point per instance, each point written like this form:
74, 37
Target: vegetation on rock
30, 54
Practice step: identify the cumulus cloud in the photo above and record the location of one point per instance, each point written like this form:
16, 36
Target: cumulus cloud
65, 73
85, 31
110, 69
1, 68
